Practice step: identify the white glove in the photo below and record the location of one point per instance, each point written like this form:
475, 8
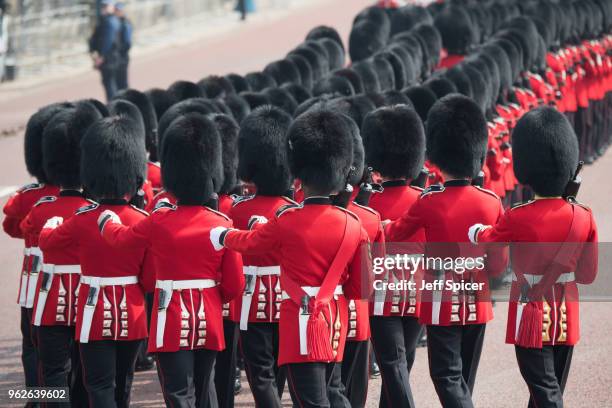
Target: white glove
107, 216
215, 237
474, 231
256, 219
53, 222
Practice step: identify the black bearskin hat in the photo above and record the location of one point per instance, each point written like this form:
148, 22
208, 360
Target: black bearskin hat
369, 79
335, 53
255, 99
433, 41
126, 109
238, 82
460, 79
422, 99
281, 98
100, 106
144, 105
322, 31
228, 131
262, 149
480, 92
321, 150
258, 81
365, 40
304, 68
317, 62
161, 99
191, 159
215, 86
457, 136
239, 107
310, 103
352, 76
333, 85
406, 17
221, 106
357, 107
455, 27
356, 173
545, 150
441, 86
384, 72
299, 92
33, 139
113, 162
62, 144
399, 69
283, 71
394, 141
320, 50
396, 98
377, 16
182, 90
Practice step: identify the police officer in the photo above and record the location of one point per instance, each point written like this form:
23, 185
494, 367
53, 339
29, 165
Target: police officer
456, 138
545, 274
104, 47
192, 279
125, 44
321, 250
111, 316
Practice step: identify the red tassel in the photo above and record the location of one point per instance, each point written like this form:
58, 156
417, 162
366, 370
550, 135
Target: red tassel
319, 344
530, 329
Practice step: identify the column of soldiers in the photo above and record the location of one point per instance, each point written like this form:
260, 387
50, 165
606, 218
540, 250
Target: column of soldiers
250, 207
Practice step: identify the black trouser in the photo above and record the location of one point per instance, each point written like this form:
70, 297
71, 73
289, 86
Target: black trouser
29, 354
184, 376
109, 80
545, 371
316, 385
454, 354
259, 346
108, 371
60, 363
395, 339
242, 9
356, 372
122, 73
225, 366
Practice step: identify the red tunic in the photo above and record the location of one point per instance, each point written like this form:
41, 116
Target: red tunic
15, 210
446, 213
546, 221
178, 238
397, 197
358, 309
266, 294
154, 176
58, 304
119, 312
450, 60
307, 239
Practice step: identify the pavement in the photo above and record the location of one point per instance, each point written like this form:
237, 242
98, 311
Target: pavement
249, 46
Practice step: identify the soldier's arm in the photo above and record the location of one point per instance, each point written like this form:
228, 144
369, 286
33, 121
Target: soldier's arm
405, 226
118, 235
13, 218
232, 279
586, 269
263, 238
497, 254
56, 238
360, 276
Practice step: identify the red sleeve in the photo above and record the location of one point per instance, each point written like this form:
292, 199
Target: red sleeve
262, 239
500, 232
497, 255
147, 273
27, 225
405, 226
60, 237
13, 217
135, 236
586, 269
360, 276
232, 278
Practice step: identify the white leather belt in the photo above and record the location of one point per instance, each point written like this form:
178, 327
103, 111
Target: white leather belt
166, 287
535, 279
312, 291
381, 295
50, 270
247, 297
91, 302
32, 278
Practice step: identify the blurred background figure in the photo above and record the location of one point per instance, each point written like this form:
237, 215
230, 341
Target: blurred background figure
244, 7
105, 46
125, 33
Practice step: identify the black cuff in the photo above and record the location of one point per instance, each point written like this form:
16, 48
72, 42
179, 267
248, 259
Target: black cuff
103, 223
222, 237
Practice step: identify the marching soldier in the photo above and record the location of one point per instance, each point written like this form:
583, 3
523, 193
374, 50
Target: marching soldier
544, 285
262, 162
54, 310
15, 211
395, 147
192, 279
111, 317
456, 320
322, 252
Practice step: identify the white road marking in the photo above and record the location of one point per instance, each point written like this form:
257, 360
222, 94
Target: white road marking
7, 190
